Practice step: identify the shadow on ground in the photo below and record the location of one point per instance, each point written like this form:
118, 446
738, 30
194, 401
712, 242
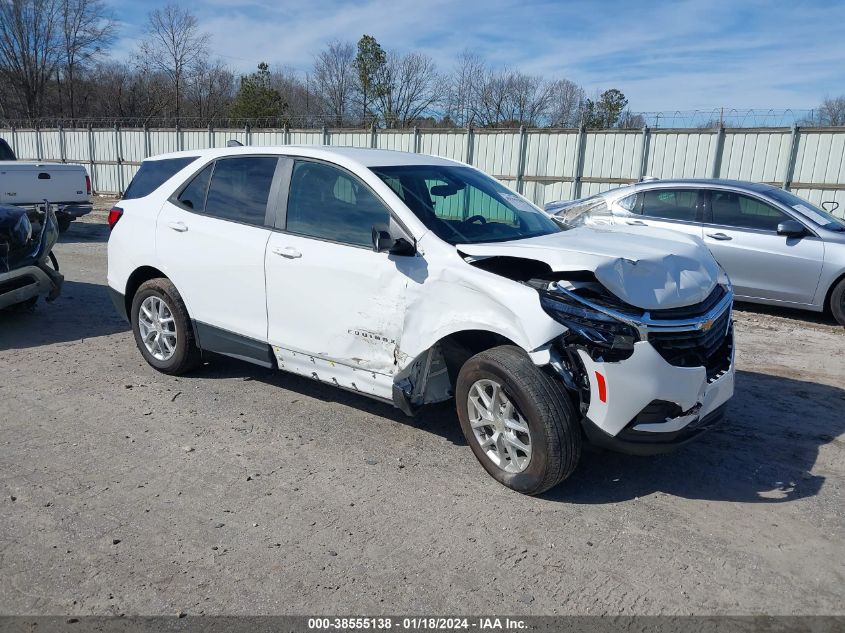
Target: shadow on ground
763, 452
85, 233
62, 320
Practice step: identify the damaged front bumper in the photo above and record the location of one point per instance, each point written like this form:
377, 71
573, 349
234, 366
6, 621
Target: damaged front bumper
24, 254
661, 391
644, 405
23, 284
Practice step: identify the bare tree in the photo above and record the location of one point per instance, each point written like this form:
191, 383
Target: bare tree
464, 85
832, 111
29, 49
566, 104
122, 91
408, 88
174, 46
509, 97
87, 29
209, 91
335, 79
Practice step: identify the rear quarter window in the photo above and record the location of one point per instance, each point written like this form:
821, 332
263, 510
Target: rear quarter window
153, 173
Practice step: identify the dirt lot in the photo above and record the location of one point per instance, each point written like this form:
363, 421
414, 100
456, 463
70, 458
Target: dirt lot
237, 490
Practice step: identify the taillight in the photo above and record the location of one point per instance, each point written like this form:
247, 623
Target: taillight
114, 215
88, 184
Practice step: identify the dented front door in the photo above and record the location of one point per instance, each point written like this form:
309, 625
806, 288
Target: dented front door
335, 308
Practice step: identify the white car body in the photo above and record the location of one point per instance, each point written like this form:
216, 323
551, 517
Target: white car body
377, 323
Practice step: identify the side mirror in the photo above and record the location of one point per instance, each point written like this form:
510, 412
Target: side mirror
791, 228
383, 241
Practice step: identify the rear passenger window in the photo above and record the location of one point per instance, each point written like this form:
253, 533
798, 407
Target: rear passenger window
240, 189
669, 204
152, 175
735, 209
193, 196
331, 204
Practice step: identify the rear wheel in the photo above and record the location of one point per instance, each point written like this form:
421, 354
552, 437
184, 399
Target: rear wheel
518, 421
64, 223
162, 328
837, 302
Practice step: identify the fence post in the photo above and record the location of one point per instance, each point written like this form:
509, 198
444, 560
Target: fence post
287, 133
118, 159
178, 137
247, 134
716, 166
92, 159
210, 136
38, 150
326, 139
62, 143
147, 144
416, 140
14, 140
523, 148
374, 136
644, 152
789, 169
469, 150
578, 170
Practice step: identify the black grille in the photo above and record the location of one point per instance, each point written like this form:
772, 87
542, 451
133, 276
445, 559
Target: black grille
700, 348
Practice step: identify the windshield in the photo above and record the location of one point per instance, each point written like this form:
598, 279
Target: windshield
809, 210
464, 206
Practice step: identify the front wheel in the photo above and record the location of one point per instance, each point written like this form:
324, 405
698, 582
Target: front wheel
518, 421
837, 302
162, 328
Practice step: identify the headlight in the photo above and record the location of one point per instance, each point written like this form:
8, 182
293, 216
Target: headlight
606, 339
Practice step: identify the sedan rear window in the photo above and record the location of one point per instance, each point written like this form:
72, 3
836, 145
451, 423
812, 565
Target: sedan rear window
152, 175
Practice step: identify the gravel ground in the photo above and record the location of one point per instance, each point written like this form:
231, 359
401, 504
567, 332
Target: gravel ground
237, 490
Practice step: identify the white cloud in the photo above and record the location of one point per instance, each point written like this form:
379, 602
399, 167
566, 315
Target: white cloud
663, 55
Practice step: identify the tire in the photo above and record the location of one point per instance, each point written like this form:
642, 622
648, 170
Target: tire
837, 302
184, 355
542, 403
64, 224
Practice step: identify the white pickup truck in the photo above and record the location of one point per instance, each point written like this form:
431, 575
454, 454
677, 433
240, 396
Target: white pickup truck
25, 184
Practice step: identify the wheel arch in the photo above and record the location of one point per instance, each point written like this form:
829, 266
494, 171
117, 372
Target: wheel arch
829, 292
138, 277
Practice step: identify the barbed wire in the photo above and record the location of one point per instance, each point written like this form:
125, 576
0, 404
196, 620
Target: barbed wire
726, 117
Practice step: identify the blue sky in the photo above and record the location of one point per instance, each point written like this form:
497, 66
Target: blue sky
662, 55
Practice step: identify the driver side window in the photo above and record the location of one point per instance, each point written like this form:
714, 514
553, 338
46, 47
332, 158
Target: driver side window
331, 204
451, 203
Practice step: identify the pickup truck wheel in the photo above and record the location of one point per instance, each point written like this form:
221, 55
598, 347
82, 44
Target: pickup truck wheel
162, 328
518, 421
837, 302
64, 224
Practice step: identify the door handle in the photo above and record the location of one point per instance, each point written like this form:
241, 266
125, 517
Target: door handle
288, 251
636, 223
719, 236
181, 227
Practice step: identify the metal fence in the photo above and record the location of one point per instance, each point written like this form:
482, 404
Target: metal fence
542, 164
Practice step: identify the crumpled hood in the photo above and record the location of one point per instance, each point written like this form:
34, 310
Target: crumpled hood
647, 267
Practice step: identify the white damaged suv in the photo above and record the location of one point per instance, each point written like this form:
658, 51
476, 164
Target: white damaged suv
414, 279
